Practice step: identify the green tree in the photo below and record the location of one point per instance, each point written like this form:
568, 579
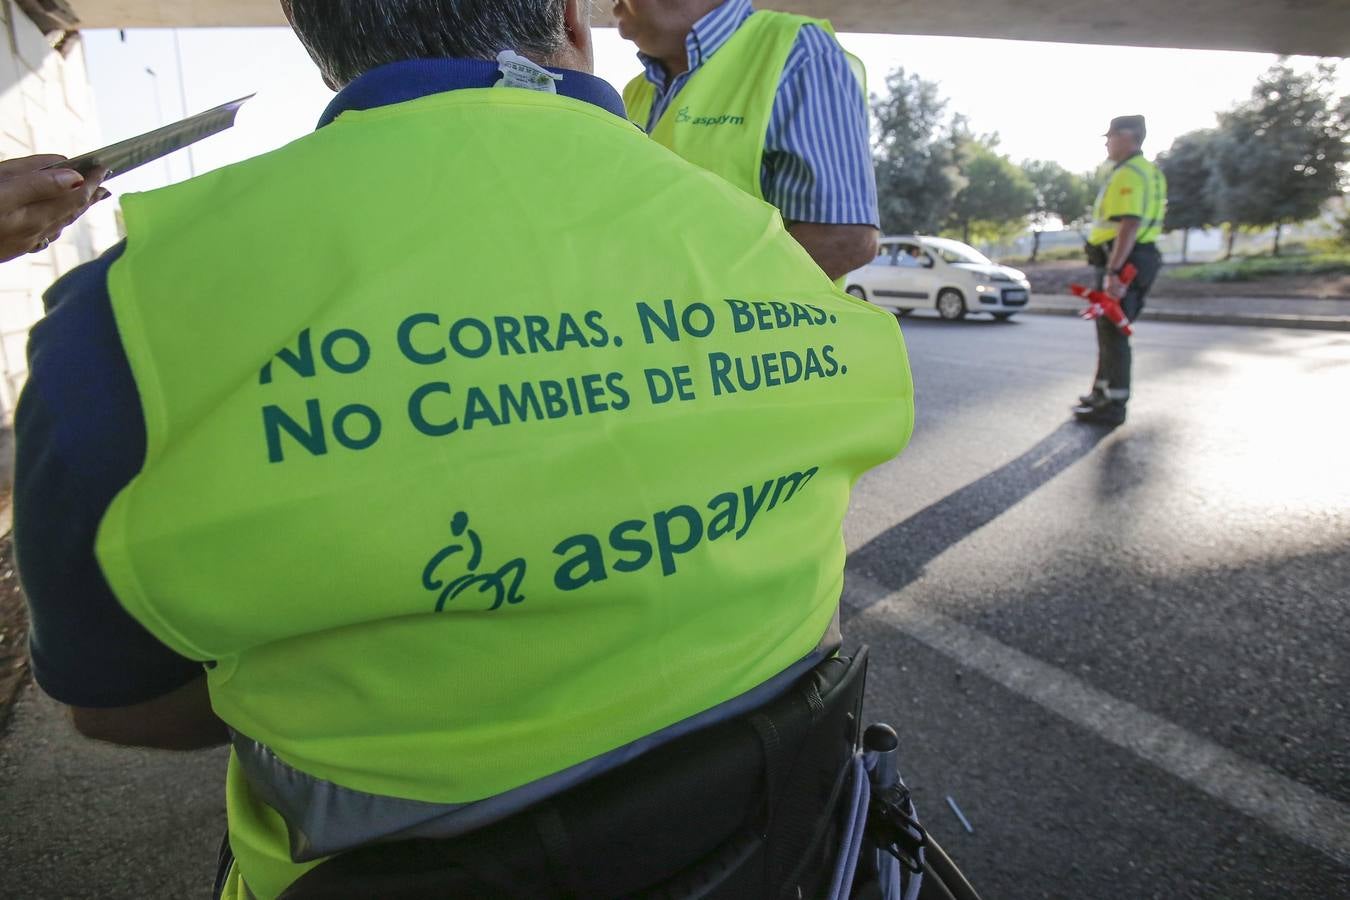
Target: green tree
996, 198
1188, 166
1095, 181
1277, 157
915, 174
1058, 194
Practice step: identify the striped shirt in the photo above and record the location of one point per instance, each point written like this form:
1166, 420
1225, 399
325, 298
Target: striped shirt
817, 159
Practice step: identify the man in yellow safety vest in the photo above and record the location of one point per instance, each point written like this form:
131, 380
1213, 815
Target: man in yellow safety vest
1127, 220
405, 461
769, 101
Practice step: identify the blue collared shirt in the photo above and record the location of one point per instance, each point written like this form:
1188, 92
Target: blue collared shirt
80, 438
817, 154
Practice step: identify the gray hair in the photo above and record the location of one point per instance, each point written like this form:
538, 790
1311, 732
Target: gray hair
349, 37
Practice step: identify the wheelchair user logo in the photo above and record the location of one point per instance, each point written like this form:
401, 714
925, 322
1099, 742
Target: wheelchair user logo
503, 585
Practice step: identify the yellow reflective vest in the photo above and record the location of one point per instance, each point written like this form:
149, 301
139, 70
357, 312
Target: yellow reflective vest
1136, 188
484, 438
720, 118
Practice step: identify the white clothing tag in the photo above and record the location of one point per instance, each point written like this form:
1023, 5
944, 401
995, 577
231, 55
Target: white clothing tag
519, 72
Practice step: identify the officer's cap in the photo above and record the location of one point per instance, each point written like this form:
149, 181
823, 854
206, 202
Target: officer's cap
1133, 124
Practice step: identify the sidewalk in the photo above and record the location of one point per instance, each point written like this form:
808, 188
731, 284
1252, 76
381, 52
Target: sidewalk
78, 816
84, 819
1269, 312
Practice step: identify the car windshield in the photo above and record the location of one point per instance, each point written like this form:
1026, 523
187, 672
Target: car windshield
957, 252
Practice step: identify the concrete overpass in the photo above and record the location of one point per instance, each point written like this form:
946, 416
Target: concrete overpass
1314, 27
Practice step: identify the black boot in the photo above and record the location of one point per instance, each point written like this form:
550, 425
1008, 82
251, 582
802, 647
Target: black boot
1109, 412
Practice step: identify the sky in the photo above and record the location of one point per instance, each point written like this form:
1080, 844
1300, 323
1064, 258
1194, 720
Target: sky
1045, 100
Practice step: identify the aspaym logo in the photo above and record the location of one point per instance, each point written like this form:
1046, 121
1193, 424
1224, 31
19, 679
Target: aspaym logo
683, 117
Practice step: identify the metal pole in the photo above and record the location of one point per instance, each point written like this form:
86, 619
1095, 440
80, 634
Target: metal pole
182, 96
159, 120
882, 747
159, 104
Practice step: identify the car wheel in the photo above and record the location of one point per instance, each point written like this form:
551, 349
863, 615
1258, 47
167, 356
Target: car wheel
951, 305
857, 292
1003, 317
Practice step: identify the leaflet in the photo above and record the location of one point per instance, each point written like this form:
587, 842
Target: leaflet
135, 152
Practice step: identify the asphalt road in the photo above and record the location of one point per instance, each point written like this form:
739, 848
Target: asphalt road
1122, 654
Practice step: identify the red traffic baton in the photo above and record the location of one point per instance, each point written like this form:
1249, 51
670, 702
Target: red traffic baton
1100, 303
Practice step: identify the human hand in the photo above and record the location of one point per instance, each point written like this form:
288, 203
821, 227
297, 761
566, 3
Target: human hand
1114, 286
36, 206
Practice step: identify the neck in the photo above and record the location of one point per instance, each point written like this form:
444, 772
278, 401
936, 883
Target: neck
568, 59
675, 64
675, 59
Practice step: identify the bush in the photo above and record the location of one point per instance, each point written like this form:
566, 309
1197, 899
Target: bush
1331, 246
1050, 254
1252, 268
1061, 254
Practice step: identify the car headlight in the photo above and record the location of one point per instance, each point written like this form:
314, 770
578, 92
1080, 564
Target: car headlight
999, 276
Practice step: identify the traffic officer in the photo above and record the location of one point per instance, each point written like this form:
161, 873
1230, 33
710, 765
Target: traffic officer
1127, 222
769, 101
315, 463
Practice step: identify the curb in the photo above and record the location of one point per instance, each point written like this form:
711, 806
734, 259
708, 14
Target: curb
1317, 323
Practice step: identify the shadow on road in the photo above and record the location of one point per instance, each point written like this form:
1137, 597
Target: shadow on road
1247, 655
1128, 463
898, 555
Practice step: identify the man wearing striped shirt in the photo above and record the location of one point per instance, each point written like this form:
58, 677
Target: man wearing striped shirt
769, 101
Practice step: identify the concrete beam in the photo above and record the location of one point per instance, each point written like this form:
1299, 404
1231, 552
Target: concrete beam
50, 15
1314, 27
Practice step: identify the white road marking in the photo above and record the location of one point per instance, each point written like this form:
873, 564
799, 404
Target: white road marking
1293, 809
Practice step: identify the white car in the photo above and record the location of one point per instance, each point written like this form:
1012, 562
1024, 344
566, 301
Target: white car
952, 277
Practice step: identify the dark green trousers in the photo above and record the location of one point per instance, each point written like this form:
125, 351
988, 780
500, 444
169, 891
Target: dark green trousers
1114, 358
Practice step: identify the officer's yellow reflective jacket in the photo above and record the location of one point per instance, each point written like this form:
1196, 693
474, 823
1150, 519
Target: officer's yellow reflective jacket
1135, 188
